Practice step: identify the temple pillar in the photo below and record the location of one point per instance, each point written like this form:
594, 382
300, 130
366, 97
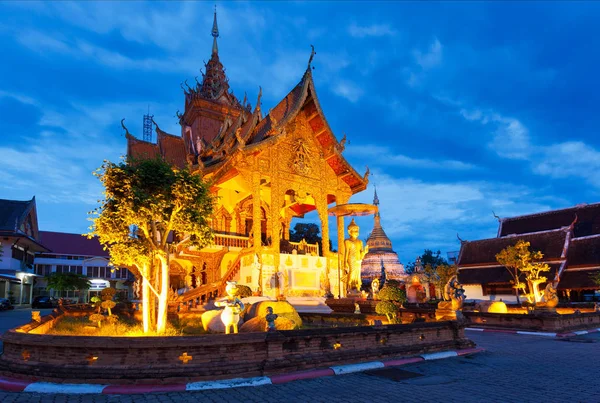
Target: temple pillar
341, 231
321, 201
256, 241
275, 218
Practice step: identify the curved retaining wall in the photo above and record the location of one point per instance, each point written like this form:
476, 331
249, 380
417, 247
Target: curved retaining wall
537, 322
215, 356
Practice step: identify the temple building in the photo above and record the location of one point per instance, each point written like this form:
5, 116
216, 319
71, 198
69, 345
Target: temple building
265, 170
381, 261
568, 238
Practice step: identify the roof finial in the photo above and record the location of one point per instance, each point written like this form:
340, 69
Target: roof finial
375, 198
312, 55
215, 34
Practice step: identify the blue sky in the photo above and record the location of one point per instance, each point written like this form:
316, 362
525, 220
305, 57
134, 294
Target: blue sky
458, 109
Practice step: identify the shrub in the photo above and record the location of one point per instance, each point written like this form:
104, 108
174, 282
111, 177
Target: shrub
108, 293
387, 308
392, 293
244, 291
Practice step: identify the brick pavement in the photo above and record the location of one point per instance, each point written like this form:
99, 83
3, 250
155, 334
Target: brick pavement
515, 368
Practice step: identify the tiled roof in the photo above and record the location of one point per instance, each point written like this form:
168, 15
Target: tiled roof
550, 243
139, 149
280, 112
495, 274
12, 213
588, 221
172, 148
71, 244
584, 251
579, 279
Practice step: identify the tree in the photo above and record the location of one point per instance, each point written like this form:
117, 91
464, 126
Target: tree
518, 259
67, 282
427, 258
391, 297
146, 203
310, 233
595, 278
440, 274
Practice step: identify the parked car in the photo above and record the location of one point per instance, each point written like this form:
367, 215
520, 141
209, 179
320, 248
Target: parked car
5, 304
44, 302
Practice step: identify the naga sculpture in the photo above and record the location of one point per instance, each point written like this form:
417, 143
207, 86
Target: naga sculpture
454, 293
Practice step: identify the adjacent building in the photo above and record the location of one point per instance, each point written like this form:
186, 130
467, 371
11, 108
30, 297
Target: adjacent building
19, 242
569, 239
75, 253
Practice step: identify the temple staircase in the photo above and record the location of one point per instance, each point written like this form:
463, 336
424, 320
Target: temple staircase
198, 296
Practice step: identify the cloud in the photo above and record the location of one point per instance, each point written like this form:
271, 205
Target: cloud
569, 159
374, 30
421, 214
385, 156
432, 57
349, 90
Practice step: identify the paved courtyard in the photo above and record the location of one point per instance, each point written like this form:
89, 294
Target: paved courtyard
514, 368
16, 317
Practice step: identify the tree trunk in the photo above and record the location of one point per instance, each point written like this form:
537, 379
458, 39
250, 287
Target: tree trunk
145, 303
163, 299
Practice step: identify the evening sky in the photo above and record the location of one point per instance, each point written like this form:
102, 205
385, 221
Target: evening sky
458, 109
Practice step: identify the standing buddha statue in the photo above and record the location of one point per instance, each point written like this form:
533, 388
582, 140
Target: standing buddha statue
354, 252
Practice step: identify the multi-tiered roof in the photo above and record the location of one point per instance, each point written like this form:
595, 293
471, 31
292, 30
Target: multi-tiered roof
569, 239
216, 125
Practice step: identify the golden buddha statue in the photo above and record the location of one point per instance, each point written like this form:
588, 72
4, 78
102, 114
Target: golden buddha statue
354, 252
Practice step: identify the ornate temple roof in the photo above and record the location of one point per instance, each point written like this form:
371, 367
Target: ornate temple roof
483, 252
587, 215
241, 130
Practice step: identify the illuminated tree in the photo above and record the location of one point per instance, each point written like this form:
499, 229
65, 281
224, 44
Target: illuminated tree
146, 203
518, 259
595, 278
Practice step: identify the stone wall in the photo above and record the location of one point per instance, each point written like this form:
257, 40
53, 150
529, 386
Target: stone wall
161, 359
535, 322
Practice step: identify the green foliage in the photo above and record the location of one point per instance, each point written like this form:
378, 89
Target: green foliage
392, 293
67, 282
440, 274
243, 291
310, 232
147, 203
595, 278
427, 258
387, 308
144, 202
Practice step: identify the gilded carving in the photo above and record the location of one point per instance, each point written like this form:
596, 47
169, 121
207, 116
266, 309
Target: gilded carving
300, 162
